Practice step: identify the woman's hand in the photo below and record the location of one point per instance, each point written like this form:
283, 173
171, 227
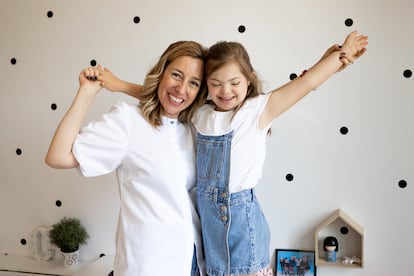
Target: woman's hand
331, 50
88, 79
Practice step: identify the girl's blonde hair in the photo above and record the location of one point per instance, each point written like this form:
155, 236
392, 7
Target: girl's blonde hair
149, 102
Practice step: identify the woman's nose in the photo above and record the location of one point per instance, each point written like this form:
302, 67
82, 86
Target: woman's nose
180, 87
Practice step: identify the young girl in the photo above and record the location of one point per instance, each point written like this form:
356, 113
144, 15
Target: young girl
231, 133
231, 151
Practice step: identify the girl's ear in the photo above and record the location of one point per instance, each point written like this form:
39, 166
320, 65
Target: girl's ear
253, 76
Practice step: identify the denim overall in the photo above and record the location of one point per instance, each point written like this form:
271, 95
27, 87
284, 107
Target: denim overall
248, 237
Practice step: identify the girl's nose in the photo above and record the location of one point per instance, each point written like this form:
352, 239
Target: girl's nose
226, 89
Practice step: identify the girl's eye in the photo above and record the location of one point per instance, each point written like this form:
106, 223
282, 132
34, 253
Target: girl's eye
215, 84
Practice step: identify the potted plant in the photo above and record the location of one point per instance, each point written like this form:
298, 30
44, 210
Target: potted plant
67, 234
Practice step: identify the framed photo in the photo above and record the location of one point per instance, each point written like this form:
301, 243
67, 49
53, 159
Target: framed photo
294, 262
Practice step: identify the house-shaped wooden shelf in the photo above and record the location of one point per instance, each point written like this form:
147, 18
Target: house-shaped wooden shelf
350, 236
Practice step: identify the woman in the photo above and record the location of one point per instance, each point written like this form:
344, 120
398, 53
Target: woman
151, 148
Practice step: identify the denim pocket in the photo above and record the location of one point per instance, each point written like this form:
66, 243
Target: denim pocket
210, 158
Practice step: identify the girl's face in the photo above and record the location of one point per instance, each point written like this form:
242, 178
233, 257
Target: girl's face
227, 87
179, 85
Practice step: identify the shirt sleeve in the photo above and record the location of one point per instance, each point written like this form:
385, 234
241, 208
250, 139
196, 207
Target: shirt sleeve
249, 114
100, 146
263, 99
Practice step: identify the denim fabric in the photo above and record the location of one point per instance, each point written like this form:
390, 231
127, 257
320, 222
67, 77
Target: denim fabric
235, 233
194, 267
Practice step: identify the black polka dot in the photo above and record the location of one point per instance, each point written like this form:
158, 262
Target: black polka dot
137, 19
344, 230
402, 184
289, 177
13, 61
50, 14
58, 203
23, 241
407, 73
242, 29
93, 62
344, 130
102, 255
53, 106
349, 22
18, 151
293, 76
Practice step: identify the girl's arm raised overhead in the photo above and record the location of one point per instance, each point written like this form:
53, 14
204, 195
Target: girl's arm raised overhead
335, 59
60, 154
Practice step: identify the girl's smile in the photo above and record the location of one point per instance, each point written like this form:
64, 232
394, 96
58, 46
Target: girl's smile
227, 87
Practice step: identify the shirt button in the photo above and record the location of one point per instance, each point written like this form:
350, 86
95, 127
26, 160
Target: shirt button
223, 195
223, 208
224, 218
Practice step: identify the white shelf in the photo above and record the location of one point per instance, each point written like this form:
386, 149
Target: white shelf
101, 267
322, 261
22, 265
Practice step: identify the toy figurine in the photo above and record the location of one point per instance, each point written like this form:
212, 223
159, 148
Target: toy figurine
331, 246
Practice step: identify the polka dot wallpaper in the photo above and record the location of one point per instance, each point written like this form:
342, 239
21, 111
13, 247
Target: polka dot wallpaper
348, 144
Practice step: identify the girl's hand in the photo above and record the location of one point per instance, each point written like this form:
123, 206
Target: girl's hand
353, 47
109, 80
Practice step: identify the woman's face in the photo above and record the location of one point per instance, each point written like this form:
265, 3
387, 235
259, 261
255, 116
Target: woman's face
179, 85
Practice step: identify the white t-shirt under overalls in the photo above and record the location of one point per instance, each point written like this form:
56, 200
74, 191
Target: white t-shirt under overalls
157, 224
248, 142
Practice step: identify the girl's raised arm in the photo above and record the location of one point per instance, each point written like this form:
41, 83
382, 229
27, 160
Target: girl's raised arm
335, 59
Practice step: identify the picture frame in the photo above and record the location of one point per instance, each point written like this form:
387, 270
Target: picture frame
295, 262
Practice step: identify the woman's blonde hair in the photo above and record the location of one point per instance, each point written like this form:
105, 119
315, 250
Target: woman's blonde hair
149, 101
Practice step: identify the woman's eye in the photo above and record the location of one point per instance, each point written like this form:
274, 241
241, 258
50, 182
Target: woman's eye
195, 83
235, 83
176, 75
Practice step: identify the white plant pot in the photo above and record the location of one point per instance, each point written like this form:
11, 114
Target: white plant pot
71, 259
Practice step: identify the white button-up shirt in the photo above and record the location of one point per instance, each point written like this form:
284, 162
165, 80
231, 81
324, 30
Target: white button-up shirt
158, 225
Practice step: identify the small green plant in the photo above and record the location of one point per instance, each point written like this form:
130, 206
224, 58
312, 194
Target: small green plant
68, 234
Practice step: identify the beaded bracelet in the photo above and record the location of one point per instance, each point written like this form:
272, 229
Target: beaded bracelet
303, 73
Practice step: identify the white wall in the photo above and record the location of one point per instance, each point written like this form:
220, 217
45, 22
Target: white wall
358, 172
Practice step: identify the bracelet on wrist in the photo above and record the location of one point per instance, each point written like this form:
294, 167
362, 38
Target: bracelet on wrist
303, 73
